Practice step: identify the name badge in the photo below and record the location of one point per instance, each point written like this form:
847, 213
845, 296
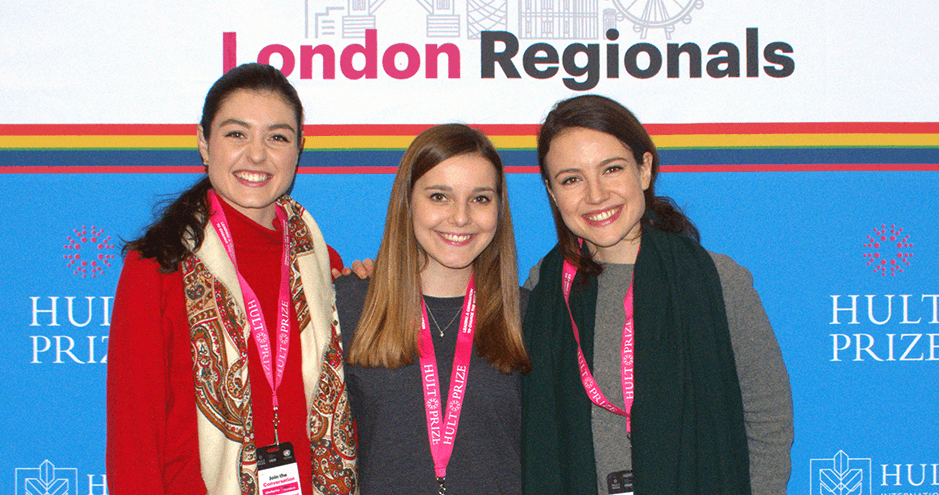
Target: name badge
620, 482
277, 470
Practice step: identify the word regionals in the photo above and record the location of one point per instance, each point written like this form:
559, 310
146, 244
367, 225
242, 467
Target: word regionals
500, 53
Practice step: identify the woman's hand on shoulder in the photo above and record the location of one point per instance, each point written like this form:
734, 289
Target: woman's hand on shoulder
363, 269
345, 271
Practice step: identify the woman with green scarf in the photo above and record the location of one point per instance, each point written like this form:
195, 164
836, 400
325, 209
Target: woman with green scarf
655, 370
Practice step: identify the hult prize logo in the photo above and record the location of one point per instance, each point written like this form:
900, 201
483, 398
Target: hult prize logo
840, 475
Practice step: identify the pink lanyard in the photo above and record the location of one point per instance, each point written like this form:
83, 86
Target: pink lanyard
441, 444
626, 356
253, 305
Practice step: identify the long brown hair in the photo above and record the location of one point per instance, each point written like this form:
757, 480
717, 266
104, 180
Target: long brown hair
602, 114
388, 331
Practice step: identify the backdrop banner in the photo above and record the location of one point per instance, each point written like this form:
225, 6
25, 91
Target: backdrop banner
802, 140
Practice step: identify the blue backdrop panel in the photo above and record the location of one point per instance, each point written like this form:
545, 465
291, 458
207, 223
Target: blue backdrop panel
803, 235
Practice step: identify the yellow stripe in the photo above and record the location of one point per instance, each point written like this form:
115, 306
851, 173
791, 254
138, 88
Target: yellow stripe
502, 142
515, 142
358, 142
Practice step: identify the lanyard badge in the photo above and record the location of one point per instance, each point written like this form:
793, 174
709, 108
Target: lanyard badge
277, 470
277, 466
441, 429
626, 354
620, 483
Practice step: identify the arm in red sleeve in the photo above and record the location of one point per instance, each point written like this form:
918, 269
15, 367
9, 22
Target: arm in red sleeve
335, 261
152, 434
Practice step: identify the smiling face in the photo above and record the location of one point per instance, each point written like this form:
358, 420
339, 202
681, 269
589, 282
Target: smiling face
252, 151
598, 186
455, 212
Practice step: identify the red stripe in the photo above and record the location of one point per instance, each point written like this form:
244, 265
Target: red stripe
413, 129
812, 167
364, 130
529, 169
102, 170
347, 170
97, 129
796, 128
190, 129
491, 129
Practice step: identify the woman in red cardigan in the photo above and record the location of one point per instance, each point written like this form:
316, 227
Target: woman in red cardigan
224, 351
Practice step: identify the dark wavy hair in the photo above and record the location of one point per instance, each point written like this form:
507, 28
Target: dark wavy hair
181, 221
609, 117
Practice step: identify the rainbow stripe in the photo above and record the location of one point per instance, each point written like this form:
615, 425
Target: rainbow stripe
161, 148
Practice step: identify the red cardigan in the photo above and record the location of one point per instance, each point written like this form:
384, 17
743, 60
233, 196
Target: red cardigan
152, 437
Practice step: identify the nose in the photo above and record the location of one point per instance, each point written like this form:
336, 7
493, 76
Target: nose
596, 192
461, 214
257, 151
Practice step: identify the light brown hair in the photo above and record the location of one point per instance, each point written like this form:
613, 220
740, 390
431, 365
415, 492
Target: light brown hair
389, 328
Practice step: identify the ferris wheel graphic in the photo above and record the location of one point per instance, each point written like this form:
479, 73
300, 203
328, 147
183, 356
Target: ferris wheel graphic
656, 14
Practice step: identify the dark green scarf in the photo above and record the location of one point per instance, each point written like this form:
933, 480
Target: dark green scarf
688, 435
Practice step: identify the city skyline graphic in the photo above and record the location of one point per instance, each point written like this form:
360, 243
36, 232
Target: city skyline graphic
528, 19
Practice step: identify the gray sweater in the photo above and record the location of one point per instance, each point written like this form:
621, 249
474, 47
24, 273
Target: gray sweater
388, 406
764, 381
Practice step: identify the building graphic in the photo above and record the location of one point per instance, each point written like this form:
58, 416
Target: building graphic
359, 17
340, 18
536, 19
326, 24
442, 19
486, 15
559, 19
350, 19
653, 14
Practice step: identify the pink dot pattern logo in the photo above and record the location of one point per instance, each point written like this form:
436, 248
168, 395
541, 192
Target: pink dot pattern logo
888, 250
88, 252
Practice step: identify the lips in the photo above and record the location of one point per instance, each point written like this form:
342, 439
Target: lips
455, 239
603, 217
252, 178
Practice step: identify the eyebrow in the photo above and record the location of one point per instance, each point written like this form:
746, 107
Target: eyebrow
441, 187
601, 164
245, 124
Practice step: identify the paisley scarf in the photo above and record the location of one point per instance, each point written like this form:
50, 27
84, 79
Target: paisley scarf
219, 331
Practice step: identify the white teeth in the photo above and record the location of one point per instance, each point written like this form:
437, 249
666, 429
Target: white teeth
456, 237
252, 176
602, 216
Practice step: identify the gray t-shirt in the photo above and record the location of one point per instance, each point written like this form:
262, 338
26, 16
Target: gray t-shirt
764, 381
